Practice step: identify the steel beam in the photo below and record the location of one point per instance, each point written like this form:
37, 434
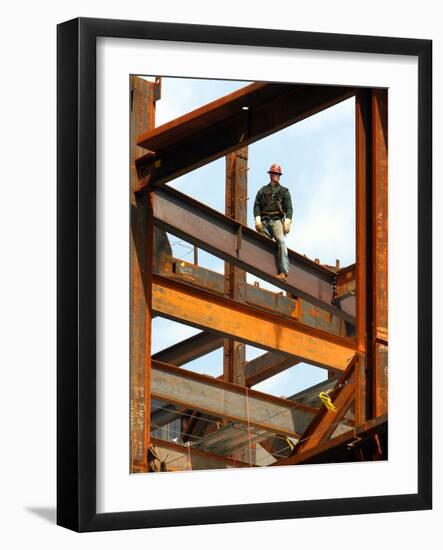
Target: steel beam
236, 194
345, 284
267, 365
212, 113
163, 413
259, 369
379, 331
183, 457
217, 129
372, 254
204, 310
327, 451
141, 254
215, 112
346, 447
324, 429
276, 302
226, 400
325, 423
310, 396
244, 247
230, 438
190, 349
331, 419
253, 295
363, 247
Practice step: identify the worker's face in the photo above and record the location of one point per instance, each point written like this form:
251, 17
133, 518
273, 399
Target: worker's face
275, 178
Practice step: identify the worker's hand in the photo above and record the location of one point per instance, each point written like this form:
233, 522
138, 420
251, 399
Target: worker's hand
286, 226
258, 224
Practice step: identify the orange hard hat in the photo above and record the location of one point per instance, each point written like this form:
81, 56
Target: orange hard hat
276, 169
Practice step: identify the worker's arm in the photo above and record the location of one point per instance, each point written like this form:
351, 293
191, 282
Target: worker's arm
258, 224
257, 213
257, 205
287, 207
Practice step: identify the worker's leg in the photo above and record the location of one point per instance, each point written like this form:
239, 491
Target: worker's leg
267, 230
279, 236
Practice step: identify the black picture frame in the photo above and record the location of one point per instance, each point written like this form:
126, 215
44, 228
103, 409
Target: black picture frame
76, 265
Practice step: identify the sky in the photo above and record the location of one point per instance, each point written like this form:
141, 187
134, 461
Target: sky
317, 156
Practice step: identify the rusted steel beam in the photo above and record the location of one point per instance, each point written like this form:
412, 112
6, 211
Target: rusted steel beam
331, 450
379, 331
141, 254
363, 256
377, 425
256, 371
201, 137
262, 367
226, 400
212, 113
194, 275
319, 318
234, 361
345, 285
230, 438
276, 302
204, 310
350, 446
143, 97
316, 444
280, 448
236, 194
162, 252
244, 247
331, 419
326, 421
163, 413
190, 349
213, 281
310, 396
277, 447
183, 457
267, 365
204, 424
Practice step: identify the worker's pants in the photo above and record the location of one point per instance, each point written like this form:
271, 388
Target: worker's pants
273, 228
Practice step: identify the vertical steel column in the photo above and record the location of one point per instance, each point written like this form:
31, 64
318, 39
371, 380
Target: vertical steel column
143, 97
235, 278
363, 257
379, 333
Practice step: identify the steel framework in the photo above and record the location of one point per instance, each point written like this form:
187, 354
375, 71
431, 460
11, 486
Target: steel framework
325, 316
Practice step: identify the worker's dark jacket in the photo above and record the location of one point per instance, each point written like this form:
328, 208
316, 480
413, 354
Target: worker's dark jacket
273, 201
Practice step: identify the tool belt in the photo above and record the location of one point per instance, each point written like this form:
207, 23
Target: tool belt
276, 214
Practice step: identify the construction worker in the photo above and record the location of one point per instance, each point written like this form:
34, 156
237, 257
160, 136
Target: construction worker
273, 215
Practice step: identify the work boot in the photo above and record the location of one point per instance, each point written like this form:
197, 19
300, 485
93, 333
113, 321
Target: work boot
282, 276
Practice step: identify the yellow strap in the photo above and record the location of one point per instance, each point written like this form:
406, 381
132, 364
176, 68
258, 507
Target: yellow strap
326, 400
291, 445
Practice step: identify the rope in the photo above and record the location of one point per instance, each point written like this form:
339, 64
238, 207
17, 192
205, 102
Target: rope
326, 400
188, 445
249, 428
